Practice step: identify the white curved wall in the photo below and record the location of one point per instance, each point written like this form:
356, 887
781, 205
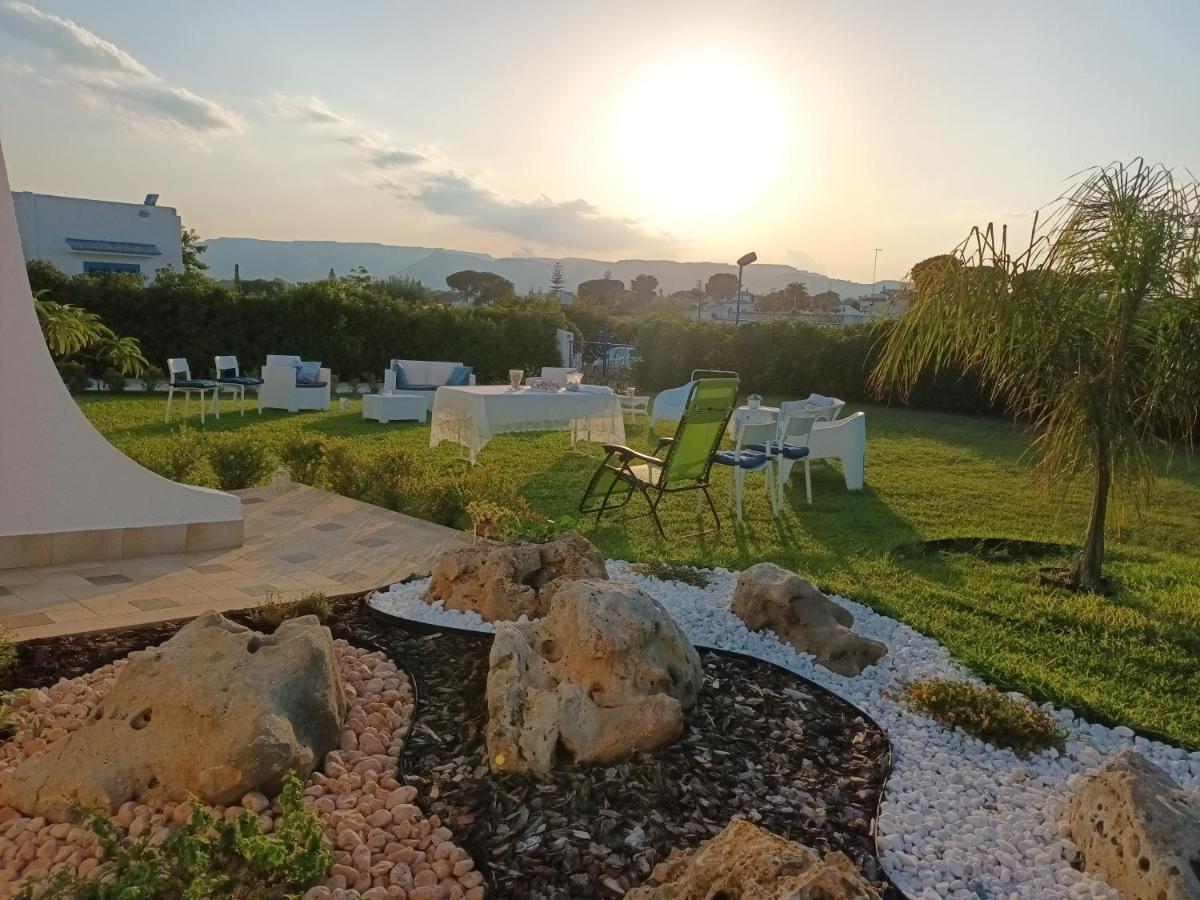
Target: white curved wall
58, 475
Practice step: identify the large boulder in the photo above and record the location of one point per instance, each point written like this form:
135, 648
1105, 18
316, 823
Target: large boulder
1137, 830
604, 674
217, 711
502, 582
745, 862
769, 596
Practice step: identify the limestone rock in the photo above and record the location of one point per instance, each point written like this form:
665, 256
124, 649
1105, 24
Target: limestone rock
503, 582
769, 596
745, 862
1137, 830
217, 711
604, 674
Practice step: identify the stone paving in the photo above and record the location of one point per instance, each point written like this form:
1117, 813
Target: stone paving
298, 540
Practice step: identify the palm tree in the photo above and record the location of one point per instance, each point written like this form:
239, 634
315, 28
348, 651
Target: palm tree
71, 330
1091, 333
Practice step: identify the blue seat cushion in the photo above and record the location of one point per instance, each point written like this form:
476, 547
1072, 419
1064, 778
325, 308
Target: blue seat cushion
243, 380
420, 387
787, 451
746, 459
308, 374
459, 377
315, 384
194, 383
401, 376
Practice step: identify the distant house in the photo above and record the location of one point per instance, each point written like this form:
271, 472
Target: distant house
80, 235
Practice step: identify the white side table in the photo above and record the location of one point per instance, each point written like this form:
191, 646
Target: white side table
384, 408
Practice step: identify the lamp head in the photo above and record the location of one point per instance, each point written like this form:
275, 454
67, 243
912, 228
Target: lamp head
747, 259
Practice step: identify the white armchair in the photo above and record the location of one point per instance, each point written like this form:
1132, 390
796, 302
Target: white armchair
280, 391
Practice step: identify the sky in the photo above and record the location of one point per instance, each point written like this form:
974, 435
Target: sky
811, 133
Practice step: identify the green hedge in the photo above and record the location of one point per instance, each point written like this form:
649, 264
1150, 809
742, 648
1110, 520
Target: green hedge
352, 327
786, 358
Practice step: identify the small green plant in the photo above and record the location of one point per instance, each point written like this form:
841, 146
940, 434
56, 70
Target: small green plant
8, 649
273, 611
238, 463
203, 859
535, 529
669, 572
987, 714
114, 379
302, 457
486, 517
152, 376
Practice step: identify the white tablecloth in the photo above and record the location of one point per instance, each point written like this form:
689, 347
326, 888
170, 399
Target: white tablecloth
473, 415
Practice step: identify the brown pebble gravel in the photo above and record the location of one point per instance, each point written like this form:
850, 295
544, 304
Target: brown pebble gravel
384, 846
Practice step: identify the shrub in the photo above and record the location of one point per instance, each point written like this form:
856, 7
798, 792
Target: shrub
74, 375
181, 456
987, 714
273, 612
114, 380
239, 463
203, 859
302, 457
8, 649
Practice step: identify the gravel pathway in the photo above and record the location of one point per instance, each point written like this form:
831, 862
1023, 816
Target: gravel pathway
961, 818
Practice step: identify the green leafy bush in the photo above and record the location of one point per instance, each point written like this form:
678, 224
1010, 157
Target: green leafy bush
74, 375
180, 458
114, 379
203, 859
987, 714
273, 612
238, 463
302, 457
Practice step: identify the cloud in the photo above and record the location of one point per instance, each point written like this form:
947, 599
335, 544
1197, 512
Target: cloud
426, 177
99, 70
570, 223
305, 109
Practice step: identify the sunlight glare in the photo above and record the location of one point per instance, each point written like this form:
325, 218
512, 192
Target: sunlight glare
701, 137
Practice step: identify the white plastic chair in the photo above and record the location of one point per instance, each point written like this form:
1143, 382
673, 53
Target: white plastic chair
743, 458
790, 447
235, 383
822, 408
187, 385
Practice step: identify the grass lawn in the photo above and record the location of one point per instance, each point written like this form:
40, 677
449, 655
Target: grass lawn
1132, 658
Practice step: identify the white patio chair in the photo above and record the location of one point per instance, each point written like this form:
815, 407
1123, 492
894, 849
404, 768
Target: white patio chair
187, 385
235, 383
789, 447
742, 459
669, 405
824, 409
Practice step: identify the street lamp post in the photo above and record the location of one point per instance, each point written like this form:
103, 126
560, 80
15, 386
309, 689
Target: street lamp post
875, 268
741, 264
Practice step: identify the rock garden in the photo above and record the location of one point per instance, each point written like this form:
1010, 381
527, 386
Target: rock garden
533, 721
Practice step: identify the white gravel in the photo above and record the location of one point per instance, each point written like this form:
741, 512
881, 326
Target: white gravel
960, 818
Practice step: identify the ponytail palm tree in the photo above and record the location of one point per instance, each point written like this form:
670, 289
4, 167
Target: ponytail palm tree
1091, 332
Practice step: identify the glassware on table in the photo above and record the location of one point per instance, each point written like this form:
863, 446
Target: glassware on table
754, 401
515, 377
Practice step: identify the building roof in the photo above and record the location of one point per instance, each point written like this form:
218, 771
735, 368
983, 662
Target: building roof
124, 248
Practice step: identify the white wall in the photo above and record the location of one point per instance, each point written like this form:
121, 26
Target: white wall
57, 473
45, 222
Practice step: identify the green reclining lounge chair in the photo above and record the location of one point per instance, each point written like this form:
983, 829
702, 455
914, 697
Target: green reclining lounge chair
684, 467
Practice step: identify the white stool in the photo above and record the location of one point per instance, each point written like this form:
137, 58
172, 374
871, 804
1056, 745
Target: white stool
384, 408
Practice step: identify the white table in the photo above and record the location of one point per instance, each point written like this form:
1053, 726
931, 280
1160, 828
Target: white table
472, 415
384, 408
844, 440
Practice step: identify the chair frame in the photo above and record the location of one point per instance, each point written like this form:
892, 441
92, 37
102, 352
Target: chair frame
769, 467
619, 463
224, 364
177, 366
783, 466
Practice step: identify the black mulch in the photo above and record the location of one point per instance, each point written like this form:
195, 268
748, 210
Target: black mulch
761, 743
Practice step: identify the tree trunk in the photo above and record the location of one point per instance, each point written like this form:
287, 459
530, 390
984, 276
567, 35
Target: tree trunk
1087, 574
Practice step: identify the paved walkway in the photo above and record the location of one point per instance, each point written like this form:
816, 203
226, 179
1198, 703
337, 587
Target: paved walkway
297, 541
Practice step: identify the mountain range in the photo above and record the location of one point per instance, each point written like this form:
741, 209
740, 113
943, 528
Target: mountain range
312, 260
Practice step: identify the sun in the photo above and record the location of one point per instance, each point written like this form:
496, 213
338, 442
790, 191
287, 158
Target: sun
700, 137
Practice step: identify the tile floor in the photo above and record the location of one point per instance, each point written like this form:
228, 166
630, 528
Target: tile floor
297, 541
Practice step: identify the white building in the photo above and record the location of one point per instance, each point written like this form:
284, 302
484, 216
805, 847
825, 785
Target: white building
79, 235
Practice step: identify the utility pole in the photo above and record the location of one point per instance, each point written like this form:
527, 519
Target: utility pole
875, 268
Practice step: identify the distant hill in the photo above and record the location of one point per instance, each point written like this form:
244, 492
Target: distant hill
312, 260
